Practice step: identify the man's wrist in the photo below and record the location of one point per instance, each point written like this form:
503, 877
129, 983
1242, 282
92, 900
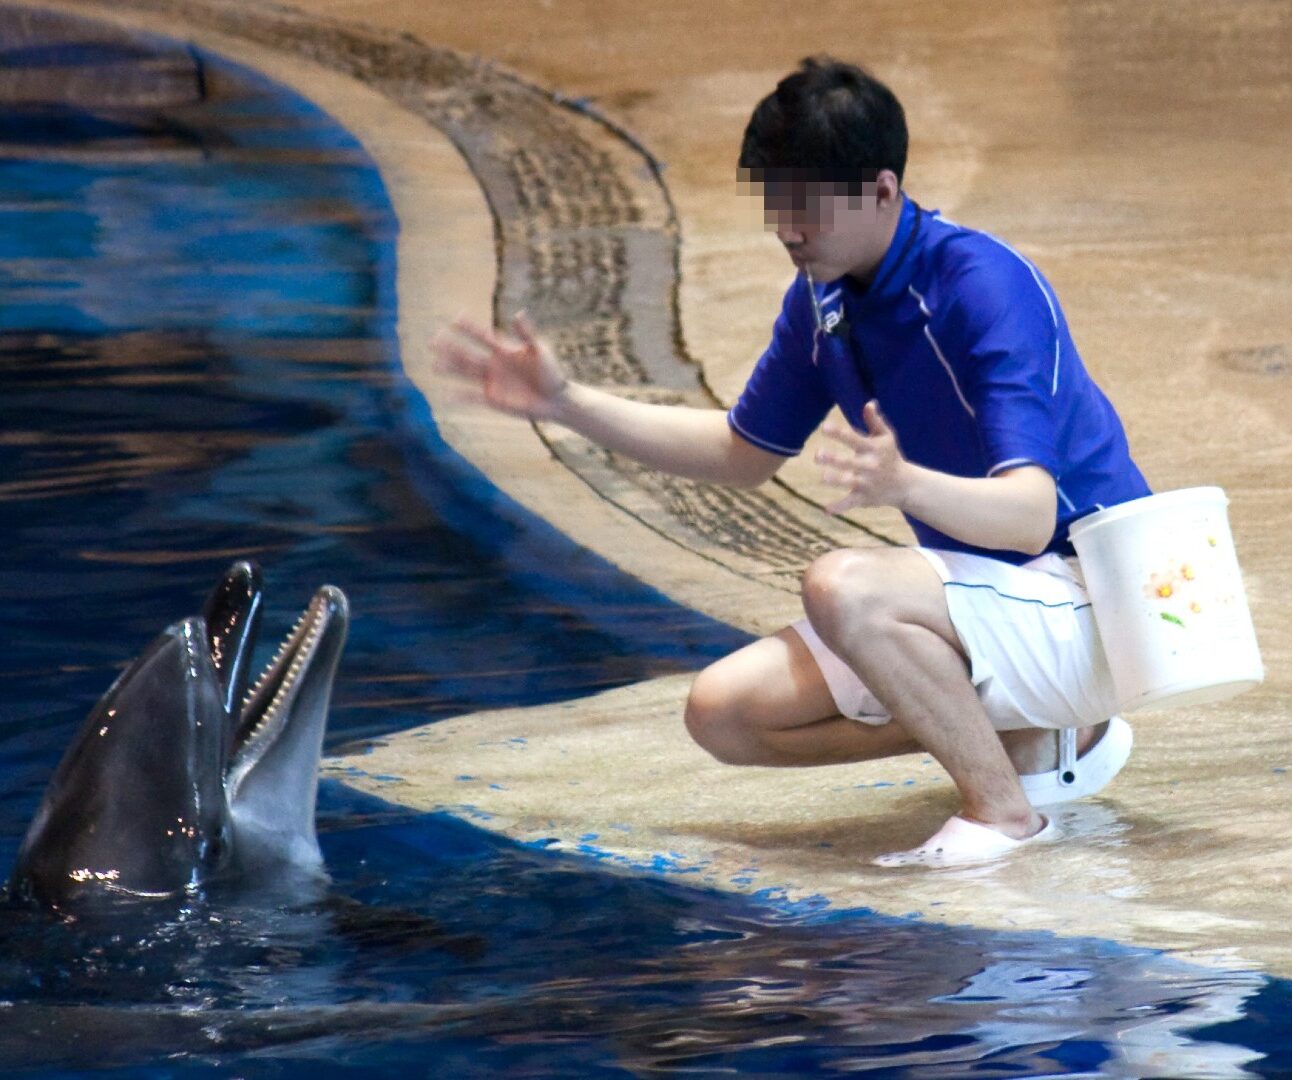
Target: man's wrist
906, 495
564, 402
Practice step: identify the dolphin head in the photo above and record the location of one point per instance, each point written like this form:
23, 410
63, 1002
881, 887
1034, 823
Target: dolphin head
179, 775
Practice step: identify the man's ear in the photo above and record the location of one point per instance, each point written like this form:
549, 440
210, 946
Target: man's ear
887, 187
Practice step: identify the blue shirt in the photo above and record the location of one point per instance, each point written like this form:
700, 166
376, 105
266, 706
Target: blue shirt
964, 345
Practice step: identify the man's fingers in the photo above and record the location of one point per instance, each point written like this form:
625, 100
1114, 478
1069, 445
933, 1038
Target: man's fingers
524, 329
866, 471
839, 479
849, 438
464, 394
481, 335
876, 422
452, 359
830, 460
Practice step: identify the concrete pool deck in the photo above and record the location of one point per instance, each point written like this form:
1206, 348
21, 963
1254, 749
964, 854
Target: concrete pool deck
1116, 169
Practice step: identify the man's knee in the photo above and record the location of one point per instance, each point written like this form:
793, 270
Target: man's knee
847, 591
715, 719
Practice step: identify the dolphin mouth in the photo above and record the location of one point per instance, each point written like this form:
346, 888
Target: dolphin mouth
285, 684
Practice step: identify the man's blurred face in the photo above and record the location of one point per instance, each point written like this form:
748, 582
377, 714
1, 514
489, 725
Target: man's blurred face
828, 230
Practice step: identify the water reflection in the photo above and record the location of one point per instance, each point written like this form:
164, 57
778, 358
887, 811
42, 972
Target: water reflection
199, 361
454, 946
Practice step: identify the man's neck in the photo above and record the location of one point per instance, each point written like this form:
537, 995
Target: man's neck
863, 278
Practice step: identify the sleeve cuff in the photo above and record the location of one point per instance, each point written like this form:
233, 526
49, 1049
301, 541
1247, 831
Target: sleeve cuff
1017, 463
1010, 449
762, 444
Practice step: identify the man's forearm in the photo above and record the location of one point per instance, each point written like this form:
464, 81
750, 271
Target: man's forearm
695, 443
1013, 511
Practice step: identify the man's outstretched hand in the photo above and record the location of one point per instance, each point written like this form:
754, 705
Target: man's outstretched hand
514, 374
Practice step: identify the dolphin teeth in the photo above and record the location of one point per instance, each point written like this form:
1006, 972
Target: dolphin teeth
300, 644
314, 615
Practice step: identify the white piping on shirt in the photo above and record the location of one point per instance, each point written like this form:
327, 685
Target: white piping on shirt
762, 443
1054, 315
937, 351
1002, 466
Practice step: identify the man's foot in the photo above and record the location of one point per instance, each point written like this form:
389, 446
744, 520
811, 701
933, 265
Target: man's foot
961, 842
1079, 776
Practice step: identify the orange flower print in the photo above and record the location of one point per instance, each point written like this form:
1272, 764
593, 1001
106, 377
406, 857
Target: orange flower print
1160, 586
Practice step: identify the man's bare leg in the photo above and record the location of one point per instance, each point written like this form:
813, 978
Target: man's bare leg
884, 613
768, 704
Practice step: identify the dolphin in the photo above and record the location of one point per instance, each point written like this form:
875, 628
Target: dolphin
182, 775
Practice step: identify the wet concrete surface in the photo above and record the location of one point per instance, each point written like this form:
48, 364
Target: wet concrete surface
1137, 152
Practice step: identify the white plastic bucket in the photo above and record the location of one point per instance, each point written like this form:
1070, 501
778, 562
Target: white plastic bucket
1168, 599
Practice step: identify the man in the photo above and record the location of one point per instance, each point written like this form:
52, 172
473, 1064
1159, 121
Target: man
969, 410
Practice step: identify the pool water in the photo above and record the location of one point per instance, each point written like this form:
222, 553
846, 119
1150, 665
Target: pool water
198, 363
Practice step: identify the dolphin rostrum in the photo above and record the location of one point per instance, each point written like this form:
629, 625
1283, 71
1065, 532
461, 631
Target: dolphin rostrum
181, 775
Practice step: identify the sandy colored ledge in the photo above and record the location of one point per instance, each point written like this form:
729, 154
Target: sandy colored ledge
1161, 860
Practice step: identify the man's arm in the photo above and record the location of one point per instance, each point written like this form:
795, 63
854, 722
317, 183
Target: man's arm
1011, 511
696, 443
520, 376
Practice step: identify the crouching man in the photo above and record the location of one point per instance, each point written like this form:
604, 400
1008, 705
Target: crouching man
969, 410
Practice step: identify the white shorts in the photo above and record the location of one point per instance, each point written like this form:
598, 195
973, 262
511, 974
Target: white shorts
1029, 633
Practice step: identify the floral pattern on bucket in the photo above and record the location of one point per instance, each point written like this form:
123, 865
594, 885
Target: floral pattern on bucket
1183, 588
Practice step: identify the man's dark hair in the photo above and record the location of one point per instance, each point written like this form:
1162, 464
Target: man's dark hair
828, 122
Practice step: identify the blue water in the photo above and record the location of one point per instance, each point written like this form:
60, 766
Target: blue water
198, 363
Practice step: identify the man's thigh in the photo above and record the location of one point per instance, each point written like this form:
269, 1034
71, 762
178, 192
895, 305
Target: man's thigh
1030, 636
896, 585
1027, 633
776, 685
772, 683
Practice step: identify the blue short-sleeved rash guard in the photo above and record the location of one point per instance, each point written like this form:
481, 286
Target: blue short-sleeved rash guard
964, 345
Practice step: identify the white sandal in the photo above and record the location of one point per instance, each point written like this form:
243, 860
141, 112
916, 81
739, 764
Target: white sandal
1076, 777
961, 842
